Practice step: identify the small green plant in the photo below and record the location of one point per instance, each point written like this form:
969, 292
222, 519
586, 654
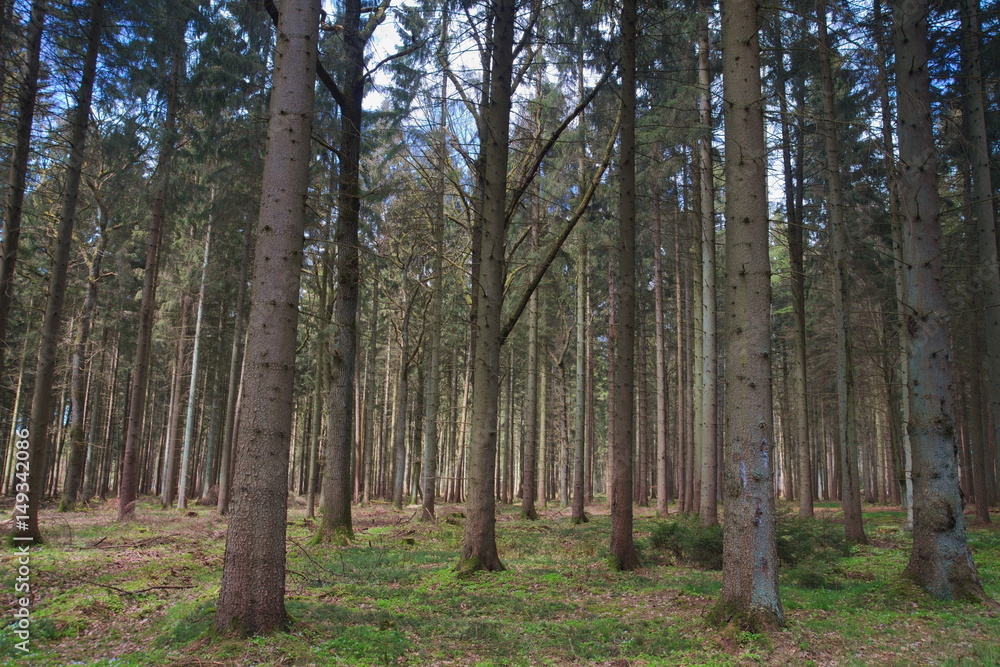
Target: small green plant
690, 543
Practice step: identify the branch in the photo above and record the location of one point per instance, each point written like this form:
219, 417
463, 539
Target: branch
581, 208
533, 170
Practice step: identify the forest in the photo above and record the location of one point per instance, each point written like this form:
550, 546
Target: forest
499, 332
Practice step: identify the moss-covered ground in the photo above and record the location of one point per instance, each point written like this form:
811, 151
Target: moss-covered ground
144, 594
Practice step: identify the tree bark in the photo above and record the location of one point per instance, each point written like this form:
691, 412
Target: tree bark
479, 550
622, 546
940, 561
579, 418
252, 597
749, 598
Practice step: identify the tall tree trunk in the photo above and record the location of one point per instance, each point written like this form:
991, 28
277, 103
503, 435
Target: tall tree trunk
799, 398
168, 481
26, 523
850, 495
622, 546
252, 597
662, 455
579, 417
479, 550
749, 598
709, 510
182, 484
235, 374
940, 561
433, 391
74, 470
147, 308
988, 272
27, 94
402, 395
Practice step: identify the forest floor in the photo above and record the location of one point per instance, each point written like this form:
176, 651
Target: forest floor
144, 594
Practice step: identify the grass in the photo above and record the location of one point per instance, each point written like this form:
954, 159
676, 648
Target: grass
144, 594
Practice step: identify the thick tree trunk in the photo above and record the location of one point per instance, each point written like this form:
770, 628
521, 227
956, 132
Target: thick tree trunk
850, 496
27, 94
479, 549
940, 561
622, 546
749, 598
252, 597
26, 523
147, 308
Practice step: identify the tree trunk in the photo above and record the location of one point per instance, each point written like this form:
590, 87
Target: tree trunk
709, 510
27, 93
26, 522
940, 561
235, 375
662, 454
579, 417
147, 308
74, 470
479, 550
850, 496
749, 598
252, 597
182, 484
622, 547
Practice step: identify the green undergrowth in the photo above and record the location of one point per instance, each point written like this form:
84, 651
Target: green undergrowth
145, 593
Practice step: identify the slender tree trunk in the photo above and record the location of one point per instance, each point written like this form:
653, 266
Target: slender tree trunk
940, 561
182, 484
168, 482
26, 523
579, 424
27, 94
662, 454
749, 598
850, 496
74, 470
235, 375
709, 510
252, 596
147, 307
622, 546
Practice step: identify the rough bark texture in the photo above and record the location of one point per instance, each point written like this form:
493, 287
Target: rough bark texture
940, 561
252, 597
749, 598
579, 418
850, 489
27, 94
128, 489
622, 545
479, 548
337, 524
